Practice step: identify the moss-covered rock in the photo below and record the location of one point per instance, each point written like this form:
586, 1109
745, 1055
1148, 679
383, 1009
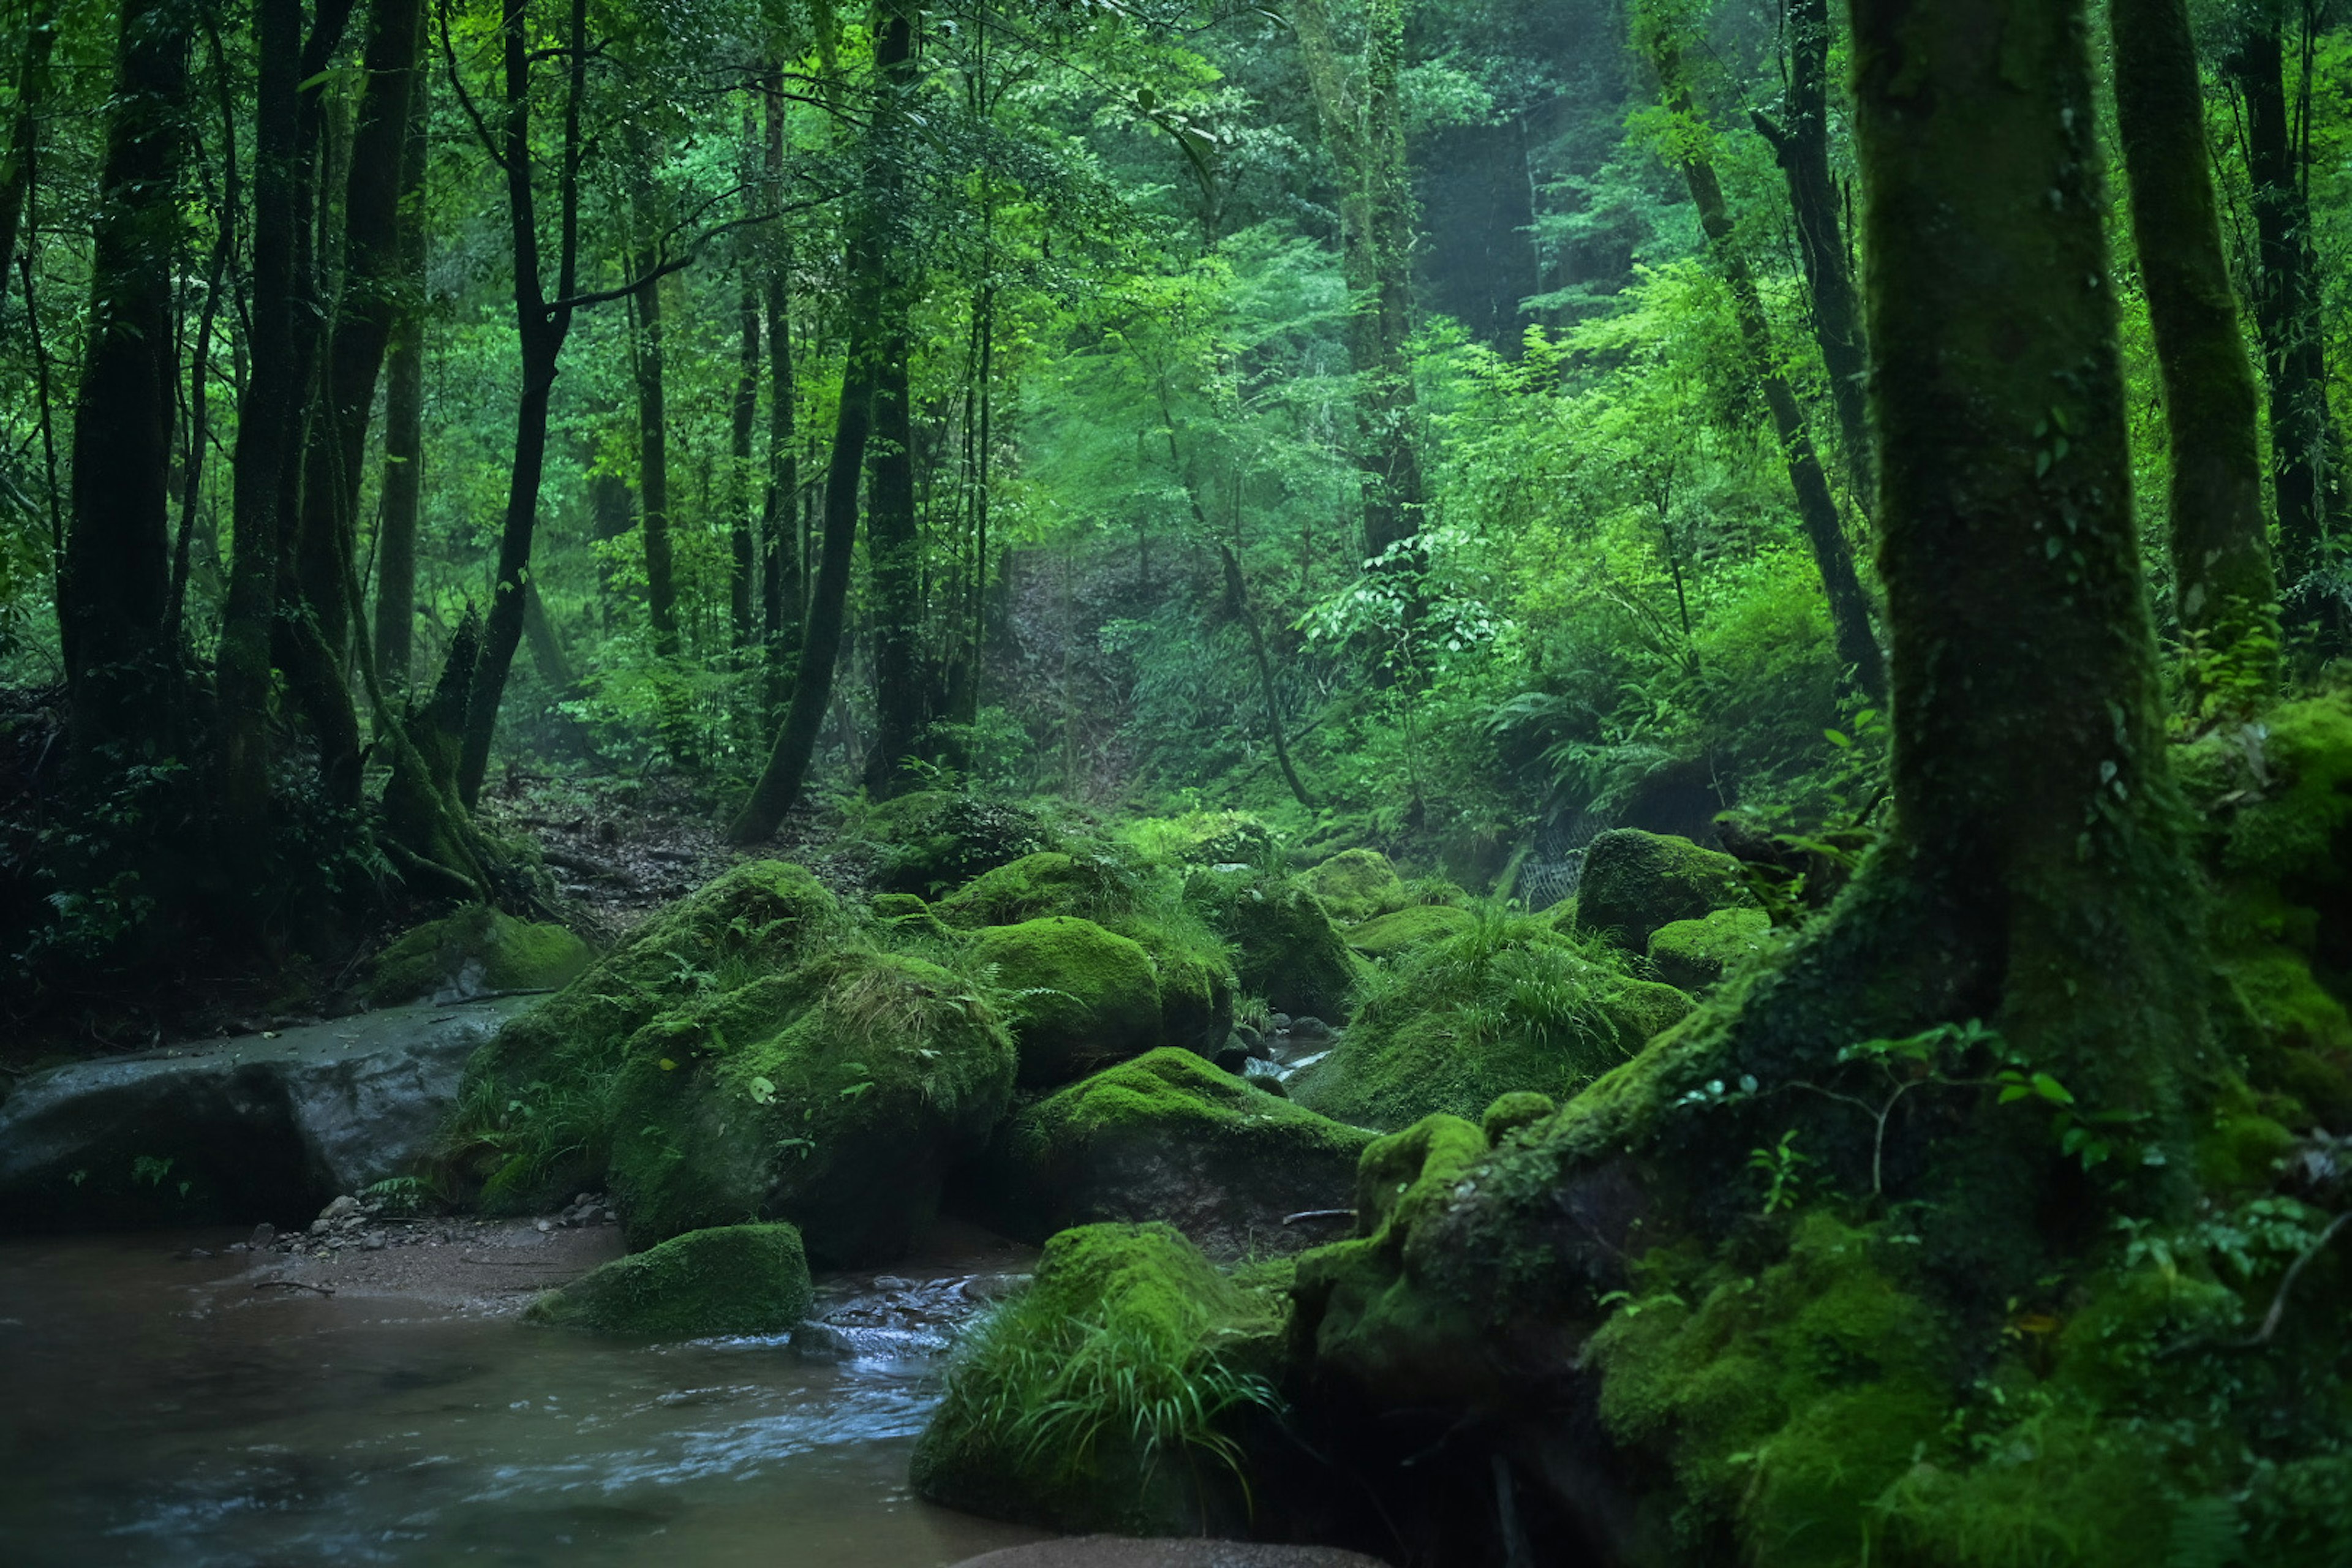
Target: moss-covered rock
476, 951
934, 839
1168, 1137
1520, 1108
1505, 1004
1203, 837
1080, 996
1049, 883
1694, 955
731, 1280
1355, 886
1634, 883
837, 1096
1115, 1394
1416, 925
1285, 948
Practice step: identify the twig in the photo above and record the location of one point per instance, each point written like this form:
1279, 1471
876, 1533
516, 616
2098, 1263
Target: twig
293, 1284
2278, 1302
1319, 1214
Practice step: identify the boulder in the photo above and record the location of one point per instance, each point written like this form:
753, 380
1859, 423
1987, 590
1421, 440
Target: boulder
1694, 955
1168, 1137
1285, 948
477, 951
836, 1097
229, 1131
1114, 1394
934, 839
1413, 926
1081, 996
728, 1280
1357, 885
1634, 883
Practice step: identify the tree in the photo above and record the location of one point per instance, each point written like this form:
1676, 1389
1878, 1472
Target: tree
403, 411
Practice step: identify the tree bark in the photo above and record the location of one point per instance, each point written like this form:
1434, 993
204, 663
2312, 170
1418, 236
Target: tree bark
2223, 584
653, 463
1817, 513
2286, 313
114, 583
1802, 147
780, 578
23, 133
404, 414
894, 558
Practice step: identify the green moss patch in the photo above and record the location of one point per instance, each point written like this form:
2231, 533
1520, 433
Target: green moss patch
1114, 1394
1080, 996
476, 951
731, 1279
1356, 885
1285, 946
1168, 1137
1694, 955
1634, 883
932, 840
1416, 926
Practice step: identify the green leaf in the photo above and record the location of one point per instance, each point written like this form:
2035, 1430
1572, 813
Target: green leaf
2051, 1089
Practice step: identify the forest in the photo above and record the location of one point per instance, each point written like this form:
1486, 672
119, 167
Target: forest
1176, 782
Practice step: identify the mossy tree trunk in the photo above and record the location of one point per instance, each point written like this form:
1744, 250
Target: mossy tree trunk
2221, 551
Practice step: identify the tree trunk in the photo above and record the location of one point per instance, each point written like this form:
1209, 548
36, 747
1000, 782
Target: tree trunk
403, 415
114, 583
893, 556
1237, 590
2221, 554
24, 135
653, 463
1817, 512
780, 578
540, 325
2286, 313
1802, 149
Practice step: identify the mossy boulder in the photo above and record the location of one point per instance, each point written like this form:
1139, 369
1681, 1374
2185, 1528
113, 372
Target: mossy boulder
730, 1279
1694, 955
1082, 996
1168, 1137
1634, 883
1203, 837
1048, 883
1356, 885
476, 951
931, 840
1285, 948
1118, 1394
837, 1096
1417, 925
1520, 1108
1505, 1004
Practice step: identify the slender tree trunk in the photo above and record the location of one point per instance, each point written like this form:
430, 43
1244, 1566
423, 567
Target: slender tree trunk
25, 130
192, 473
780, 578
541, 326
1802, 149
1816, 510
2221, 554
893, 556
114, 583
653, 464
1237, 590
2287, 312
743, 578
404, 414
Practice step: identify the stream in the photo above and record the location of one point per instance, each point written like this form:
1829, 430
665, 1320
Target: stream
160, 1409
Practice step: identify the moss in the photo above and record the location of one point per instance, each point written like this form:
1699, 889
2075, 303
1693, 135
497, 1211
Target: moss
1202, 837
1694, 955
931, 840
1416, 926
1285, 948
1167, 1136
1049, 883
1520, 1108
905, 916
476, 950
1112, 1396
1355, 886
1080, 996
731, 1279
836, 1097
2241, 1150
1634, 883
1505, 1004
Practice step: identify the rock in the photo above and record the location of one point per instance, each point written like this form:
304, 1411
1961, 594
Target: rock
1166, 1137
731, 1280
1121, 1321
822, 1343
931, 840
1309, 1028
1084, 996
1521, 1108
1694, 955
343, 1208
375, 1242
1634, 883
542, 1226
251, 1125
1355, 886
263, 1235
1265, 1075
1251, 1041
475, 952
1232, 1059
1406, 929
1285, 948
837, 1096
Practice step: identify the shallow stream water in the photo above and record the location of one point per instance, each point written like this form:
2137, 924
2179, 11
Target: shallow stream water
157, 1409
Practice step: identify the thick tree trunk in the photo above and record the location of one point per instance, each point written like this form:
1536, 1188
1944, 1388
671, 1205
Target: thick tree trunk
2287, 312
541, 324
114, 583
1802, 148
403, 415
894, 555
2221, 554
1817, 513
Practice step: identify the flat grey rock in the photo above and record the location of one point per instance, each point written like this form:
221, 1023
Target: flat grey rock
231, 1132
